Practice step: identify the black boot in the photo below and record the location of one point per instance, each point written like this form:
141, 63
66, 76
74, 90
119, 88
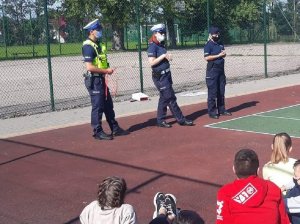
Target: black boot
119, 132
101, 135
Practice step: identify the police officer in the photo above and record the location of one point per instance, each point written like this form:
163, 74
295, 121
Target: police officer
161, 76
97, 67
214, 54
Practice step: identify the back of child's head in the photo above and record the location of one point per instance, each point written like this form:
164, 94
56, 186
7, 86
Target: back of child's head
189, 217
246, 163
282, 144
111, 192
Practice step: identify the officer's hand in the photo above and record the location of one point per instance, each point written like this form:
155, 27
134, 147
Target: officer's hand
169, 57
222, 54
110, 70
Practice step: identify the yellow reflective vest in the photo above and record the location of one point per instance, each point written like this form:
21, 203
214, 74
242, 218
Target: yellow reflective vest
101, 60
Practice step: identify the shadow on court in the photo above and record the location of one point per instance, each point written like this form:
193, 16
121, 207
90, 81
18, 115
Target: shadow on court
49, 177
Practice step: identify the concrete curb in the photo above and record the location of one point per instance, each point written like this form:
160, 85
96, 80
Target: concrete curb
55, 120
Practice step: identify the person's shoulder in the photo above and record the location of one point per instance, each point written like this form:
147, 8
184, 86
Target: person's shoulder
93, 204
292, 161
271, 185
127, 207
151, 48
267, 165
87, 48
152, 45
226, 189
208, 43
128, 211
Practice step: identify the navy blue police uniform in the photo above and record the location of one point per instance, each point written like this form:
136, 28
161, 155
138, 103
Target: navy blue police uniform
100, 96
215, 78
161, 76
99, 92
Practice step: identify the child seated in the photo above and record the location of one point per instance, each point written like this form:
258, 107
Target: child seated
292, 198
279, 169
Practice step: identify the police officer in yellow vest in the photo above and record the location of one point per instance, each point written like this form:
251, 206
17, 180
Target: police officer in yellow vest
97, 67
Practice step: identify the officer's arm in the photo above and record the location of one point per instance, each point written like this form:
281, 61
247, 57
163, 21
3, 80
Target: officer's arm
92, 68
154, 61
214, 57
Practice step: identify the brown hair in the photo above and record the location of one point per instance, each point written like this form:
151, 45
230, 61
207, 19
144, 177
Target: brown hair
153, 39
282, 143
246, 163
111, 192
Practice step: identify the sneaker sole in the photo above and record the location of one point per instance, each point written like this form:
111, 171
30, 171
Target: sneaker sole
97, 138
174, 198
154, 202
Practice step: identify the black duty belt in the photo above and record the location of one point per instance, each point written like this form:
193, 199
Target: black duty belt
97, 75
165, 71
89, 74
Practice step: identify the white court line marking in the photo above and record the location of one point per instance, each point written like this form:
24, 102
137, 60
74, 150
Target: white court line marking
296, 105
256, 114
233, 119
255, 132
209, 125
286, 118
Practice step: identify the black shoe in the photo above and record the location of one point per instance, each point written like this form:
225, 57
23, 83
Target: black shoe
158, 201
170, 202
164, 125
214, 116
187, 123
120, 132
102, 136
225, 113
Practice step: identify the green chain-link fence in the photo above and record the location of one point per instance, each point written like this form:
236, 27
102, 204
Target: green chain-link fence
40, 47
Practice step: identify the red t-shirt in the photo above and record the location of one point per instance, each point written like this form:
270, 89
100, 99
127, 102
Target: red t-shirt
251, 200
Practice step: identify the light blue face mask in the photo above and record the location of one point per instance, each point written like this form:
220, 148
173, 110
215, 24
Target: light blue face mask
98, 34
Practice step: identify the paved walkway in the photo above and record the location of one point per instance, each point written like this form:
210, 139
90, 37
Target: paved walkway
48, 121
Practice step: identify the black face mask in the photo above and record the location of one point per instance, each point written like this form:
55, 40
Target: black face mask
216, 39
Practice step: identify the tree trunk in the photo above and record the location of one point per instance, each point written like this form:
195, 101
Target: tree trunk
171, 32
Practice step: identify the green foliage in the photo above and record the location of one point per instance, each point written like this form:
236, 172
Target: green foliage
246, 14
242, 16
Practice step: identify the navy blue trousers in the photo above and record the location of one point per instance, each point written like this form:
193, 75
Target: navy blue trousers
100, 104
167, 98
215, 81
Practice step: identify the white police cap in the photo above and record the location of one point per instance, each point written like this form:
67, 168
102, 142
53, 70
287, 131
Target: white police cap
94, 25
159, 28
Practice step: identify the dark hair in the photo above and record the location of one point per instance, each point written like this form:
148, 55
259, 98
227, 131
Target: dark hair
111, 192
246, 163
297, 163
189, 217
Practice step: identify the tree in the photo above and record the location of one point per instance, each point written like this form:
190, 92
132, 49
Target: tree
247, 15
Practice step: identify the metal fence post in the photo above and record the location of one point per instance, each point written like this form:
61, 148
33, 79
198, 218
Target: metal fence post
31, 33
49, 56
139, 43
208, 16
265, 39
58, 30
4, 31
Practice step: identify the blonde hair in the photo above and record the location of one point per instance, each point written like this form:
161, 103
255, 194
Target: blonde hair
282, 143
